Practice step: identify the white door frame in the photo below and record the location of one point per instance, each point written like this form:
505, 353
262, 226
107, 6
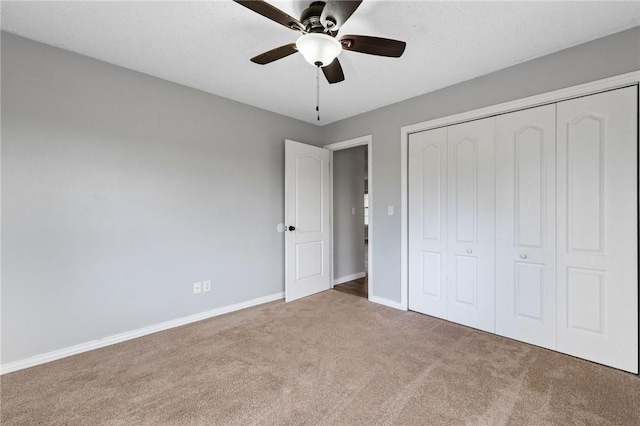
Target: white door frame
503, 108
351, 143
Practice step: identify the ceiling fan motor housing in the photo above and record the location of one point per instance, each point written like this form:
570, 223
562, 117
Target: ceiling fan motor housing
310, 18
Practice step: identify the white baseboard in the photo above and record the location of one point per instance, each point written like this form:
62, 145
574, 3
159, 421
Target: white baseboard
387, 302
133, 334
348, 278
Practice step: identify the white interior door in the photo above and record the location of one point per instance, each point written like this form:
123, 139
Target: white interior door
307, 206
470, 228
598, 228
525, 226
427, 222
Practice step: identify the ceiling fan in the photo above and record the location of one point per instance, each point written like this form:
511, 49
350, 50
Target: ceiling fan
319, 25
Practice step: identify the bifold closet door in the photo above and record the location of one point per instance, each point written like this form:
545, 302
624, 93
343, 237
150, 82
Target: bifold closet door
427, 222
525, 226
470, 224
597, 228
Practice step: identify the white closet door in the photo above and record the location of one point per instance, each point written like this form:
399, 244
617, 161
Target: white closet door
470, 227
525, 226
597, 228
427, 222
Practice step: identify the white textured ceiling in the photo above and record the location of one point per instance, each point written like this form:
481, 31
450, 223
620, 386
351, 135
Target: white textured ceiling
207, 44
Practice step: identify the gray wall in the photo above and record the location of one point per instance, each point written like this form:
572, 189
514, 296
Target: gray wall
119, 190
348, 229
606, 57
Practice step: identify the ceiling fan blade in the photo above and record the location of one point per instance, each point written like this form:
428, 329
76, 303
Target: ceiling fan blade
275, 54
373, 45
333, 72
272, 12
335, 13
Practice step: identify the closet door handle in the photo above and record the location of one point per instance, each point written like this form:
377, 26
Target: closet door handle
469, 251
523, 256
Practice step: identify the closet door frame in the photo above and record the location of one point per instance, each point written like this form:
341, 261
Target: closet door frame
616, 82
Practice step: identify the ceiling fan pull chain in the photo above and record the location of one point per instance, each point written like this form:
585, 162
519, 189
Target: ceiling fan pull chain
318, 91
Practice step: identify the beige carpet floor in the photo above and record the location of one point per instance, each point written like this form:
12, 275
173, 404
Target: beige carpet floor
329, 359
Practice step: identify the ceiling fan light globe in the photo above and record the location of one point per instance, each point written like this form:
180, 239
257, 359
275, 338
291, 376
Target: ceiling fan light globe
318, 48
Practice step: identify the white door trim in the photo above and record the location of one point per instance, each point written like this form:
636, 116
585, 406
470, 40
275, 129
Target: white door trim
506, 107
351, 143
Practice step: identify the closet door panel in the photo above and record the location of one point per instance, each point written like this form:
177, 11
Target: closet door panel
525, 226
470, 226
427, 222
597, 228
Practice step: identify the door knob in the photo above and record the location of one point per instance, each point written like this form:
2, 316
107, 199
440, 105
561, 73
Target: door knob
292, 228
469, 251
523, 256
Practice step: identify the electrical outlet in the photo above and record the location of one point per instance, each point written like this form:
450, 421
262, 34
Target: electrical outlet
206, 286
197, 287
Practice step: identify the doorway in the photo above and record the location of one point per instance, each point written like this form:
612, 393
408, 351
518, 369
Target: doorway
352, 216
